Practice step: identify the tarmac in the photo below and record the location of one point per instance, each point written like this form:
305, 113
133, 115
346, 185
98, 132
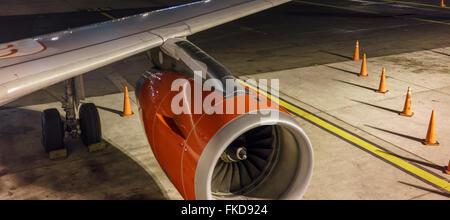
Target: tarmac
128, 170
307, 46
337, 94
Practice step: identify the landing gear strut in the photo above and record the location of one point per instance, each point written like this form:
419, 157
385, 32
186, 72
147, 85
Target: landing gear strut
55, 130
70, 106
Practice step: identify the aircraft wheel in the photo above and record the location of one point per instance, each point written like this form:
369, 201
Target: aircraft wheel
52, 130
91, 132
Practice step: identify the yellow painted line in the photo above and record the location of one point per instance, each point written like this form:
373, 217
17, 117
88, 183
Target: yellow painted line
437, 181
432, 21
371, 12
108, 15
413, 3
335, 6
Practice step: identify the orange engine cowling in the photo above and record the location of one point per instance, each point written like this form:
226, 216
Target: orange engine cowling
246, 154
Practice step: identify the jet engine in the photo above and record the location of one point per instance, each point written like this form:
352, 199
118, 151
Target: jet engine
217, 144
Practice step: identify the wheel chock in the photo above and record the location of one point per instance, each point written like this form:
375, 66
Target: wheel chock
58, 154
96, 147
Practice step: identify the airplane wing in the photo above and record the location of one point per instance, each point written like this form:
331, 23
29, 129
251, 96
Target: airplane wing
35, 63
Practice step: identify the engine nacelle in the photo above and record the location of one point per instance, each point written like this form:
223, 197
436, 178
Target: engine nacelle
239, 151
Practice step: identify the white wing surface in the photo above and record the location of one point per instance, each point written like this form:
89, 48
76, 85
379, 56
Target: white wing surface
35, 63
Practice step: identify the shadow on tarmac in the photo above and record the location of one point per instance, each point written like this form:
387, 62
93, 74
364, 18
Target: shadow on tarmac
397, 134
426, 189
354, 84
343, 70
27, 173
376, 106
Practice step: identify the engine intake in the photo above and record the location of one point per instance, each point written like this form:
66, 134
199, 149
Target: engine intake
279, 160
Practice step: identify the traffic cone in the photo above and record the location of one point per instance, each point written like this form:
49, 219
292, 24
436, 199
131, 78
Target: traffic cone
407, 109
447, 170
442, 4
356, 55
430, 140
126, 104
364, 67
382, 88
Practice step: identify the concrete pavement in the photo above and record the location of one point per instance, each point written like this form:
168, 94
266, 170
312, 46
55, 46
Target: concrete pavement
342, 171
307, 45
336, 93
127, 168
335, 89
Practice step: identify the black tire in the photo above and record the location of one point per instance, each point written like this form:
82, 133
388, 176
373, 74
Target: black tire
91, 131
52, 130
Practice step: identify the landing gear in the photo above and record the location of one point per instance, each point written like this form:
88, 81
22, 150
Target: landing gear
91, 132
87, 127
52, 130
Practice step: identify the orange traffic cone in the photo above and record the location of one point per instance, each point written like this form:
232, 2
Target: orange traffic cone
407, 109
382, 88
364, 67
442, 4
356, 55
126, 105
447, 170
430, 140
